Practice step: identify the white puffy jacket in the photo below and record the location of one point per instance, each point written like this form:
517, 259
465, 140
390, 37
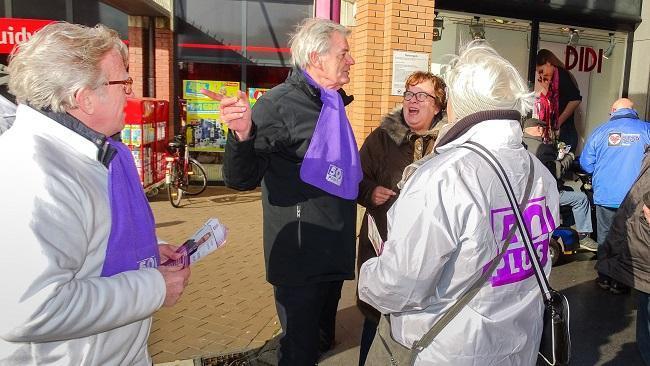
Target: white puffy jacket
441, 236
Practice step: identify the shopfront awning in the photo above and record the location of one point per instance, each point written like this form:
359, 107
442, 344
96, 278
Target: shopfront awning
619, 15
156, 8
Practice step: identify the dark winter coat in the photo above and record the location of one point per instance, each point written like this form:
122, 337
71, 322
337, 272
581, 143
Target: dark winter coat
627, 247
547, 154
384, 155
309, 234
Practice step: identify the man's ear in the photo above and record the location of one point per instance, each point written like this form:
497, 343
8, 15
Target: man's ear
314, 59
85, 100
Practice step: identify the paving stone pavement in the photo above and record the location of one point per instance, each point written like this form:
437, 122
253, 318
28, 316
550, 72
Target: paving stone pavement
228, 305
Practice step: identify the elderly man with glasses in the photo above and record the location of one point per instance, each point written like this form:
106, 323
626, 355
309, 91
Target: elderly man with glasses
80, 272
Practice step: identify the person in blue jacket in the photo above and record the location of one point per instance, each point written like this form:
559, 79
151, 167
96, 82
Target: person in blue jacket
613, 154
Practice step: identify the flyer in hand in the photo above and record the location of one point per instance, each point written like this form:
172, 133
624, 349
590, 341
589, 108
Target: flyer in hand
374, 236
210, 237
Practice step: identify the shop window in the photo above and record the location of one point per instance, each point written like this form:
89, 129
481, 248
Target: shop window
265, 77
598, 73
269, 26
92, 12
348, 12
201, 37
38, 9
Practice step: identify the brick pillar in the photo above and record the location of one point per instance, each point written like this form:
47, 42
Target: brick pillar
136, 60
382, 26
164, 65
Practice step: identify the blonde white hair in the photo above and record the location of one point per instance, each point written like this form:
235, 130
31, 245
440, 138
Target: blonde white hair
47, 71
479, 79
313, 35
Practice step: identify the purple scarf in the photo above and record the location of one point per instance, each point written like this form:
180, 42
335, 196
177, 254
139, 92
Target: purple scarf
132, 242
332, 161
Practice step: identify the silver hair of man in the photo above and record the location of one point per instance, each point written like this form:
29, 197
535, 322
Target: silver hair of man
313, 35
47, 71
480, 79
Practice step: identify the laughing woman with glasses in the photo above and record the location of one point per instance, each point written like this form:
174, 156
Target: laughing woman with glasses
405, 135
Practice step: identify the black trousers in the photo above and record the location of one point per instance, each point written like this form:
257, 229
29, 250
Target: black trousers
308, 318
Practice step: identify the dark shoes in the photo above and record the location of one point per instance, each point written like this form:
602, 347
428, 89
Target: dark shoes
612, 286
588, 243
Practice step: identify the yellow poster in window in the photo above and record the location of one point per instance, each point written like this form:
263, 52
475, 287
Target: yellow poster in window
192, 88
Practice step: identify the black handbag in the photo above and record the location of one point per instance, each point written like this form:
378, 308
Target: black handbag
555, 345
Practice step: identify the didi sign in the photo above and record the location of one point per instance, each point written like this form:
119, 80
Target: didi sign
586, 59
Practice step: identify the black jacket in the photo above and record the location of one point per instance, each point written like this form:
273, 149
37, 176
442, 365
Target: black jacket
547, 154
309, 234
626, 249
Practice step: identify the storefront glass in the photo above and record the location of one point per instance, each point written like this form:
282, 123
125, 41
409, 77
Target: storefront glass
599, 78
37, 9
510, 37
246, 49
268, 28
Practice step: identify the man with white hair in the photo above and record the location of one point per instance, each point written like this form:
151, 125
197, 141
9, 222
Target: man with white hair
80, 269
299, 144
451, 221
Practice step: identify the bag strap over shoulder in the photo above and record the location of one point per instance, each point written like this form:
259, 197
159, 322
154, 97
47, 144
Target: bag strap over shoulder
449, 315
542, 281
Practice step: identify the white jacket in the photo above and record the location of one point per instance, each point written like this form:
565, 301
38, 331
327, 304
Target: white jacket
442, 235
55, 220
7, 114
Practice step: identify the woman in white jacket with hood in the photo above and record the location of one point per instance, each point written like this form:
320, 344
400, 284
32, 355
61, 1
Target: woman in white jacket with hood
451, 220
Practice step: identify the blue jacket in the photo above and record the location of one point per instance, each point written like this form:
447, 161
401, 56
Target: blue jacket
613, 154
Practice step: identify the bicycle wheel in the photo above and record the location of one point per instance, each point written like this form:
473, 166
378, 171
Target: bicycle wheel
174, 190
197, 179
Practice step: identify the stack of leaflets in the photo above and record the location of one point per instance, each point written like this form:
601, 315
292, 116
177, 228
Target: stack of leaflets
210, 237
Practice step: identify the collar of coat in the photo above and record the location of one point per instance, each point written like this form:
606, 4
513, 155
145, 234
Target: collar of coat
105, 152
461, 127
395, 125
297, 79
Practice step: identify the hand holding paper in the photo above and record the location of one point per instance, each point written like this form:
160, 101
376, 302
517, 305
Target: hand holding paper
210, 237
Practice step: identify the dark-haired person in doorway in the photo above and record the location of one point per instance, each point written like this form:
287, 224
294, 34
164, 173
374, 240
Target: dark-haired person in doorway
561, 90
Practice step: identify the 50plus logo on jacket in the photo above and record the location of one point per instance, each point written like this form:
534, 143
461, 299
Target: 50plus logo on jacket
515, 265
622, 139
334, 175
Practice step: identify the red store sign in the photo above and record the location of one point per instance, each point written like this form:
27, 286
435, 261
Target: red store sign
14, 31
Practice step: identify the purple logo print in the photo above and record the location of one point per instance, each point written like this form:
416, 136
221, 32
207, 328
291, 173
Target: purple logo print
515, 265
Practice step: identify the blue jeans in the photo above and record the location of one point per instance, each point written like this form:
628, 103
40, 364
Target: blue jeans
580, 207
643, 327
604, 219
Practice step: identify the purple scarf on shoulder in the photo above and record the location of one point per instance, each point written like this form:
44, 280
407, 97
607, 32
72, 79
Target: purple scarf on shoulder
132, 242
332, 161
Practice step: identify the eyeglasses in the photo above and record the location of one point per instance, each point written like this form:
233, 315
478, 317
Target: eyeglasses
419, 96
126, 84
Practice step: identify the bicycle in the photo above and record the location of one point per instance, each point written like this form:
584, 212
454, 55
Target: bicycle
183, 174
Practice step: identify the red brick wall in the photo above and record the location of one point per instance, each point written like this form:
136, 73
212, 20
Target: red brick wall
164, 65
136, 67
382, 26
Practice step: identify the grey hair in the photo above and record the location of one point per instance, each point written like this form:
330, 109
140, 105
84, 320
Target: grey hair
49, 69
313, 35
480, 79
